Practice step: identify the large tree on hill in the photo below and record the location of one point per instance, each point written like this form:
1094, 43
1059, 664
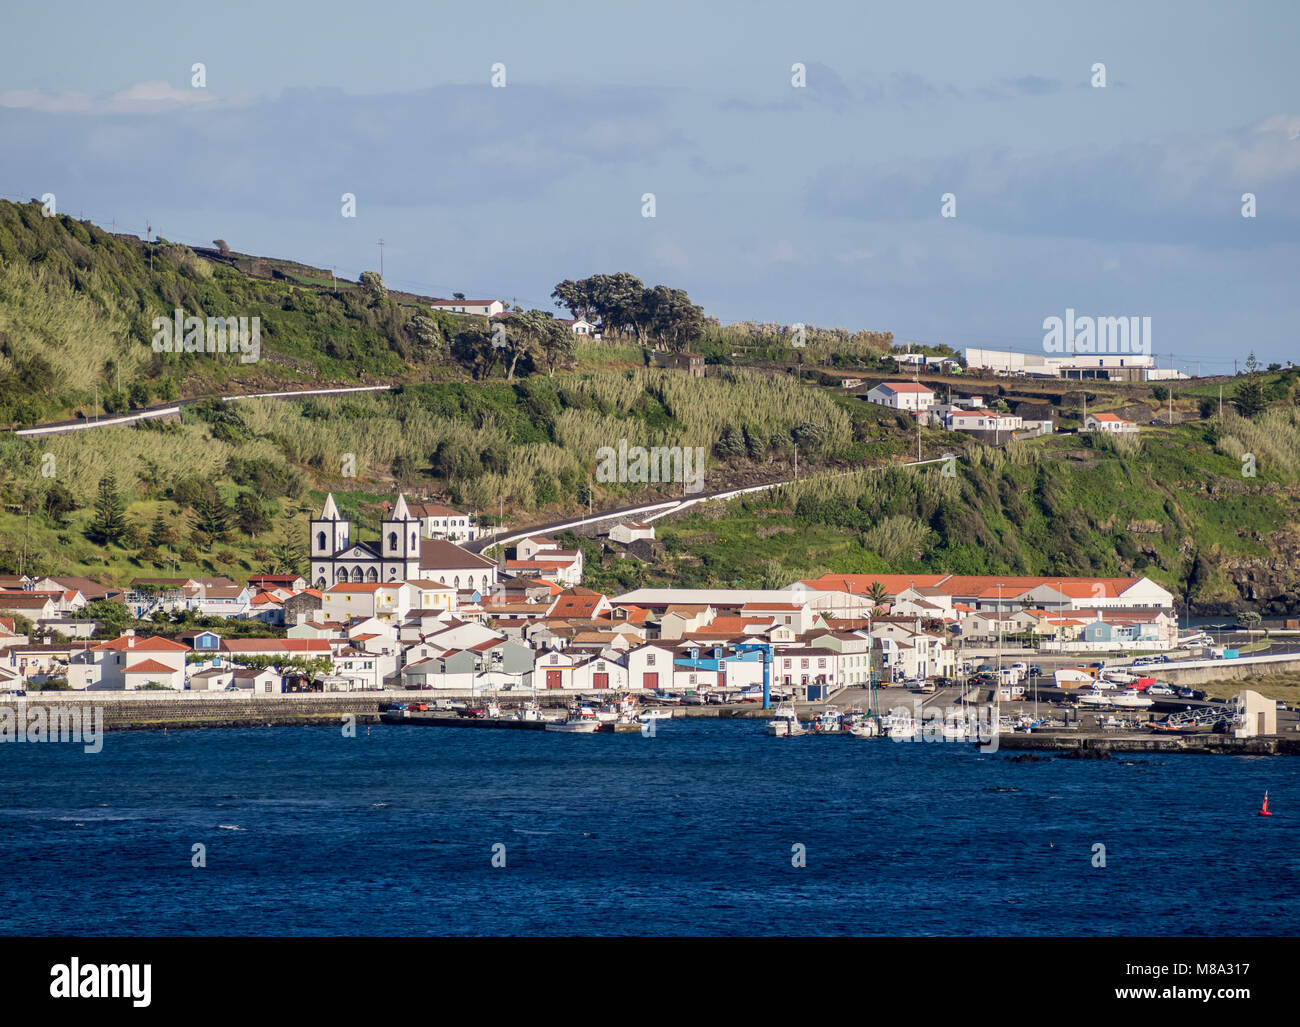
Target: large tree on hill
108, 524
211, 515
1249, 398
576, 296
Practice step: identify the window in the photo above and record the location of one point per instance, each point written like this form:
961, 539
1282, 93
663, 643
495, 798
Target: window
392, 541
650, 659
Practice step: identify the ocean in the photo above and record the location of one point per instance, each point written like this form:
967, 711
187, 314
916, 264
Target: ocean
695, 831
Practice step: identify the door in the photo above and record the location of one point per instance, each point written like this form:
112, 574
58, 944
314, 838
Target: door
553, 679
650, 681
600, 680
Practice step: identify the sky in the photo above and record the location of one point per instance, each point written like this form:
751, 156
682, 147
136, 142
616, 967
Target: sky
820, 203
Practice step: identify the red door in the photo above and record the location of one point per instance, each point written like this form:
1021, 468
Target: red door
601, 680
650, 681
553, 679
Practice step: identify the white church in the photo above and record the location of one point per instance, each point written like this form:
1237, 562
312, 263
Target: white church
399, 554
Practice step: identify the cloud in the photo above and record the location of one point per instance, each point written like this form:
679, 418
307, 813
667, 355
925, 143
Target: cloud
140, 98
1172, 190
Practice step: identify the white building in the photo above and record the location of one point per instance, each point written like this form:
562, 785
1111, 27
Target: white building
1111, 424
487, 308
908, 396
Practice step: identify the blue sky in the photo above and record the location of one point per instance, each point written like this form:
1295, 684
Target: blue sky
819, 204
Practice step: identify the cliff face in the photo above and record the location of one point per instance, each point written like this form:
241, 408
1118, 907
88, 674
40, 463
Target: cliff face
1269, 584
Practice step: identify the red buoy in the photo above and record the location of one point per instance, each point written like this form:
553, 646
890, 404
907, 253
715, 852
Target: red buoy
1263, 812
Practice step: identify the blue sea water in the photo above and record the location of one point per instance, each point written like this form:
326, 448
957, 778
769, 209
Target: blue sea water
691, 832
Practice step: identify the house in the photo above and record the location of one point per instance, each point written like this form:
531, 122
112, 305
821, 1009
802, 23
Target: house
630, 531
1111, 424
387, 602
908, 396
129, 663
442, 522
650, 666
982, 420
581, 326
31, 605
849, 382
486, 308
270, 582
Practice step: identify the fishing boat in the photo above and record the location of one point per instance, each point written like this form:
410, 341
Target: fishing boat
583, 722
612, 711
867, 727
827, 722
785, 722
957, 730
528, 711
656, 713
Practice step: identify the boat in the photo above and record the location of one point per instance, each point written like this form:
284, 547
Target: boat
956, 730
616, 709
528, 711
657, 713
901, 727
785, 722
827, 722
1126, 698
583, 721
867, 727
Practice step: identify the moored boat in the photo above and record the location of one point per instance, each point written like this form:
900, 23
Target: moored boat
785, 722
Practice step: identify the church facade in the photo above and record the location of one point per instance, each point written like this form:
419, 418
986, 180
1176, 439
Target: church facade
399, 554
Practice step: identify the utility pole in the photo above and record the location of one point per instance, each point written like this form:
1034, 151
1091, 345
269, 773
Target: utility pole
1220, 401
381, 258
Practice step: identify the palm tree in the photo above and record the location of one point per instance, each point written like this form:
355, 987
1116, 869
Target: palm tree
878, 595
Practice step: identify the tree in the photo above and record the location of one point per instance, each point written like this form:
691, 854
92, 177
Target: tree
1160, 392
57, 502
211, 515
576, 296
220, 244
251, 515
878, 594
548, 337
112, 618
108, 524
161, 532
139, 394
373, 286
291, 549
1249, 398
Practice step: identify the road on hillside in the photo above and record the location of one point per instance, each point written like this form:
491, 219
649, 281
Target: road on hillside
166, 409
647, 512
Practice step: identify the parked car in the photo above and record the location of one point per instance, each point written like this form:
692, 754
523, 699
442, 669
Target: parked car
1160, 690
1035, 671
1189, 693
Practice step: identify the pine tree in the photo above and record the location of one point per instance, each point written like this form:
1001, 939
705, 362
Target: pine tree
211, 515
161, 533
108, 525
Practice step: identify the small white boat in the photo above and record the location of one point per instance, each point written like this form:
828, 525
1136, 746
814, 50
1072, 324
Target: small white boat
956, 731
1126, 698
785, 722
900, 728
582, 722
528, 711
613, 711
655, 713
867, 727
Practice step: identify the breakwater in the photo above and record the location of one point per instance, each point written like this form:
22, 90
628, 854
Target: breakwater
1101, 745
197, 711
